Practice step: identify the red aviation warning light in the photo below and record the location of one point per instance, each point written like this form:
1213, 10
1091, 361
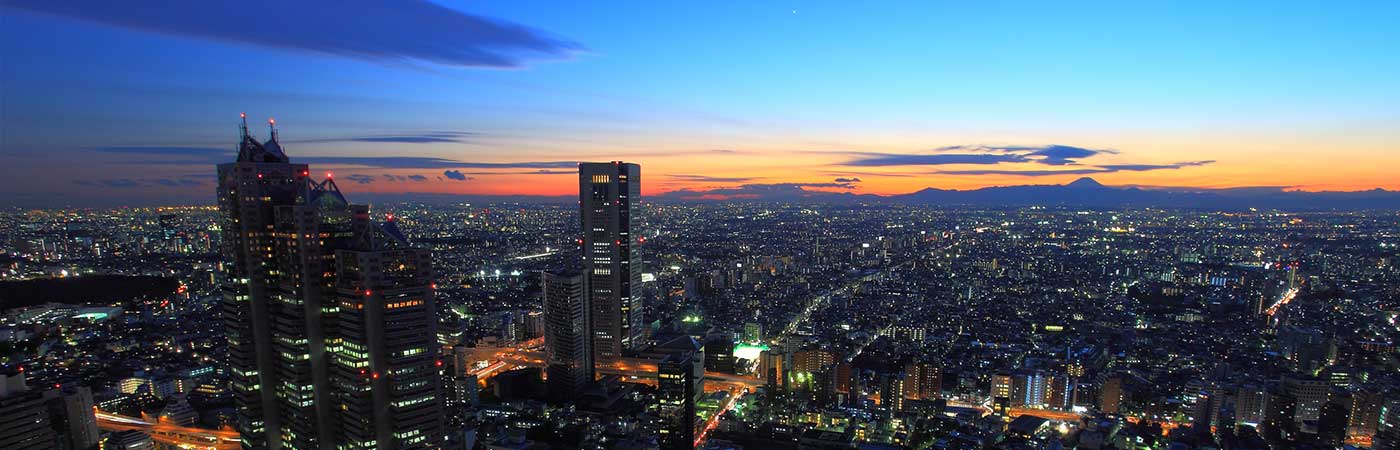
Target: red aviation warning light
368, 293
329, 175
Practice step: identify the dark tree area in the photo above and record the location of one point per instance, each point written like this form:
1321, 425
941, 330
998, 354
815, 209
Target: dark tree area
91, 289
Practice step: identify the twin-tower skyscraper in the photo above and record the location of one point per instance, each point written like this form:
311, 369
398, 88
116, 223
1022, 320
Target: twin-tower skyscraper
330, 314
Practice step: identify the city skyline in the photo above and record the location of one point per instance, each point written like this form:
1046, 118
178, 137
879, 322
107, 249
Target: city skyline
354, 225
716, 100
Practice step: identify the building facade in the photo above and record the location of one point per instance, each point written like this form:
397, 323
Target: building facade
609, 208
567, 335
329, 315
675, 396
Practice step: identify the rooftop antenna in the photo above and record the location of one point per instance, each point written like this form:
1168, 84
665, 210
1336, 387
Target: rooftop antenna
243, 128
272, 125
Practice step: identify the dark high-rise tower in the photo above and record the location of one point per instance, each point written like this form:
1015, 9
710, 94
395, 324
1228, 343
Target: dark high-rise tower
314, 294
567, 337
609, 204
386, 373
675, 396
250, 189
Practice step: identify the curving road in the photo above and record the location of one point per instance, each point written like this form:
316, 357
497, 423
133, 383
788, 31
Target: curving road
170, 434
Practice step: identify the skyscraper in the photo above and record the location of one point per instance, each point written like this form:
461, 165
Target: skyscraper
71, 414
250, 189
387, 359
609, 208
675, 396
1388, 426
567, 336
24, 421
329, 315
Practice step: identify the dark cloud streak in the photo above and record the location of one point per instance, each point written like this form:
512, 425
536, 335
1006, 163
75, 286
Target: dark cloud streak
448, 137
383, 32
1107, 168
895, 159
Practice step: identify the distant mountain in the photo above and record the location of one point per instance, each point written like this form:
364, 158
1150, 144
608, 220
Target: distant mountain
1085, 192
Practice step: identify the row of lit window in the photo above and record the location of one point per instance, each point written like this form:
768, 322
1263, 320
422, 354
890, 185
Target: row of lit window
406, 304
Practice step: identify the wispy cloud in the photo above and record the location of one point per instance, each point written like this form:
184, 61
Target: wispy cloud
848, 180
384, 32
1107, 168
1050, 155
435, 137
896, 159
1024, 173
1147, 167
1059, 155
170, 151
758, 191
710, 179
360, 178
404, 178
119, 183
1053, 155
456, 175
423, 162
213, 155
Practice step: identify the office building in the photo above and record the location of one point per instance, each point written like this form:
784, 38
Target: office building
1310, 394
387, 361
24, 420
72, 418
329, 315
1388, 427
676, 398
719, 354
609, 204
567, 336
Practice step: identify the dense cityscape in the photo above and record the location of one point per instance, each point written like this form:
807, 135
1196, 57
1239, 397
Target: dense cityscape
719, 225
291, 317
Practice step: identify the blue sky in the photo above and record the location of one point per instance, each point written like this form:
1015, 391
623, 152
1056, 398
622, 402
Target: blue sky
1267, 92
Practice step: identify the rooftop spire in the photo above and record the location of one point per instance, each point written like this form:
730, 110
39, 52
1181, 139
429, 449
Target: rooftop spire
272, 125
250, 150
243, 128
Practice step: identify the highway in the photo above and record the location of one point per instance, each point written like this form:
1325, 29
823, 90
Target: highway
169, 434
635, 369
1282, 300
